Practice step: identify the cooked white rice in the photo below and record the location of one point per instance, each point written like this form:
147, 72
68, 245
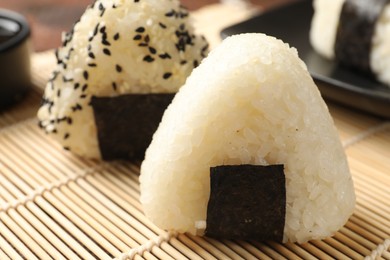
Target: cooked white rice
251, 101
117, 47
323, 36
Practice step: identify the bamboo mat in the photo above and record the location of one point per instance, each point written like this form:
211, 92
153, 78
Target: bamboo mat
54, 205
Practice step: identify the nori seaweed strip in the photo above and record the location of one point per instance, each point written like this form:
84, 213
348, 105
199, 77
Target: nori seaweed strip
126, 124
355, 32
247, 202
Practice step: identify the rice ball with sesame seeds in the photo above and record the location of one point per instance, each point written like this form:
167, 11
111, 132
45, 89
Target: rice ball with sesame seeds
117, 47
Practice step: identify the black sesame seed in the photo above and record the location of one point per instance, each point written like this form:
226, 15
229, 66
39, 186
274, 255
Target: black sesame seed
103, 29
83, 96
61, 119
183, 62
140, 29
84, 88
167, 75
66, 136
69, 121
170, 14
162, 25
76, 86
67, 57
44, 101
118, 68
143, 44
59, 93
179, 47
147, 38
105, 42
116, 36
107, 51
67, 148
102, 9
91, 55
148, 58
136, 1
95, 30
92, 64
205, 48
152, 50
77, 107
165, 56
196, 63
137, 37
183, 14
85, 75
54, 75
114, 86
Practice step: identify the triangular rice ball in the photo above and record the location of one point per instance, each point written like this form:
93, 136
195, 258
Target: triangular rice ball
252, 102
118, 47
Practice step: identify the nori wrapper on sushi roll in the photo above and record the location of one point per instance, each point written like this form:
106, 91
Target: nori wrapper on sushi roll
247, 202
355, 31
126, 123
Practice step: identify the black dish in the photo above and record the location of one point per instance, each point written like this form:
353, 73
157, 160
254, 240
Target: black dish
291, 23
15, 76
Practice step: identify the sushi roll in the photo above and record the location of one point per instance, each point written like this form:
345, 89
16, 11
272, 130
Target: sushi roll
248, 150
118, 68
355, 34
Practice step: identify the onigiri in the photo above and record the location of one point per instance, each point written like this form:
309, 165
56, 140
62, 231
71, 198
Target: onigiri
118, 47
250, 106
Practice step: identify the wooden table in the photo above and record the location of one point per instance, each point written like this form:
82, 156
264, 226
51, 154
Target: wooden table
56, 205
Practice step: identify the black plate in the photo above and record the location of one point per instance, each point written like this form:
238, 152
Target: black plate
291, 23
